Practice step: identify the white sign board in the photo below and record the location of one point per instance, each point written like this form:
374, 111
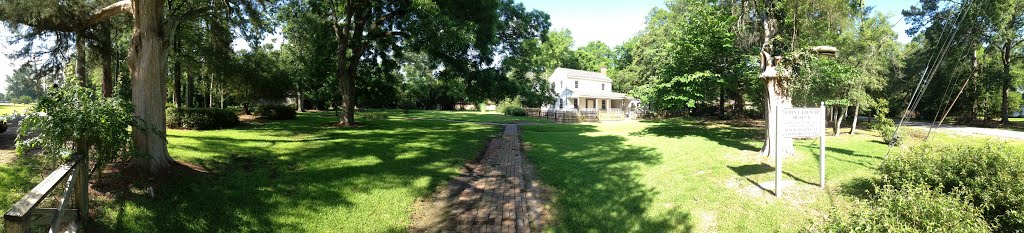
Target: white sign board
801, 122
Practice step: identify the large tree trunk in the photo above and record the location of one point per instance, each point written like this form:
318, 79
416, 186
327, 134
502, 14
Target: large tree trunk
148, 58
80, 61
838, 119
739, 104
776, 93
107, 58
856, 113
347, 65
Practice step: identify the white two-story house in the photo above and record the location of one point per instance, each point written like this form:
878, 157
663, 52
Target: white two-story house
577, 89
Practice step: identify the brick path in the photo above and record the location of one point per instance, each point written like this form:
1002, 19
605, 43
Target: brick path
497, 194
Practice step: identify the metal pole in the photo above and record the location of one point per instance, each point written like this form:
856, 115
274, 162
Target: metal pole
775, 151
821, 145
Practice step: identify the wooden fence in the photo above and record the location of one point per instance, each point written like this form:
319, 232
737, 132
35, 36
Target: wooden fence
43, 210
570, 115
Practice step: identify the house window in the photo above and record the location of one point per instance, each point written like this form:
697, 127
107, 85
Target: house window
561, 104
576, 103
603, 102
577, 84
602, 86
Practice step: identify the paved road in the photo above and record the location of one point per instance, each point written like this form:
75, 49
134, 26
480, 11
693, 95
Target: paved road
965, 130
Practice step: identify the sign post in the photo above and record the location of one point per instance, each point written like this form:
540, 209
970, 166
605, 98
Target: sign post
799, 123
775, 151
821, 146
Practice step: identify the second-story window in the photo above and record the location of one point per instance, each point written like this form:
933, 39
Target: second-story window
577, 84
602, 86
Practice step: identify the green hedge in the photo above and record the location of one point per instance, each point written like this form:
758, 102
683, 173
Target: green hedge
990, 177
511, 107
909, 209
200, 118
374, 115
275, 112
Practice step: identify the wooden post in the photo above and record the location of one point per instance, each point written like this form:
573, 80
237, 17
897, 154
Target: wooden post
821, 145
83, 191
18, 226
778, 157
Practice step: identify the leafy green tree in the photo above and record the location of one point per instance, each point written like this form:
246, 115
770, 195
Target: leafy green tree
371, 33
685, 57
594, 56
24, 82
258, 77
81, 117
556, 51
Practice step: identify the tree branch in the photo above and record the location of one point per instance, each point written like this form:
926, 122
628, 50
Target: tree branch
171, 26
122, 7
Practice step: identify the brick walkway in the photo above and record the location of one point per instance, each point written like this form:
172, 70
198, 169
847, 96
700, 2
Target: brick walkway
497, 194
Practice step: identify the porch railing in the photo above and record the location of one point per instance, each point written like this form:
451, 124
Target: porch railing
566, 115
43, 210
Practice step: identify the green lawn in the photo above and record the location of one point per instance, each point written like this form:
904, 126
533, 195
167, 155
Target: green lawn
473, 116
11, 108
302, 176
683, 175
305, 176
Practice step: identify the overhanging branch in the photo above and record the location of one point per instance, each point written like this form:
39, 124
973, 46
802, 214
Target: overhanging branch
172, 23
122, 7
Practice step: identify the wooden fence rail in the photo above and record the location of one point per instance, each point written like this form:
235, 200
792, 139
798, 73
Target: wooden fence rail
41, 210
566, 115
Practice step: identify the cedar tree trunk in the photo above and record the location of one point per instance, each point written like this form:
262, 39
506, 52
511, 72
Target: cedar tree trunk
147, 57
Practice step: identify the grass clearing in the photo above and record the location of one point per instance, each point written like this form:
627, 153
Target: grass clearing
472, 116
301, 176
11, 108
623, 176
685, 175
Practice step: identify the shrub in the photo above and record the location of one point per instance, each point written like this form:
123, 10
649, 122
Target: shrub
887, 128
374, 115
73, 114
200, 118
988, 176
909, 209
275, 112
235, 109
512, 107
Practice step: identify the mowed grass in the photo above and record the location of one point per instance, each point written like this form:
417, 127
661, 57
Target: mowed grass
11, 108
471, 116
301, 176
683, 175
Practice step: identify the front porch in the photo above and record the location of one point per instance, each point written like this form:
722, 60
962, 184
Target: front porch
602, 105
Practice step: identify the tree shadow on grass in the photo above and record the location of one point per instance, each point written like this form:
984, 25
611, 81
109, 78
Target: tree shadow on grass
290, 184
596, 181
746, 171
736, 137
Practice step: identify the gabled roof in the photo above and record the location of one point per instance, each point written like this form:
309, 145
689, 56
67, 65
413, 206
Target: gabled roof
598, 94
580, 74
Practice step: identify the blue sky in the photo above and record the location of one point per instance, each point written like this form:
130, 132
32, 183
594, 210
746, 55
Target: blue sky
609, 21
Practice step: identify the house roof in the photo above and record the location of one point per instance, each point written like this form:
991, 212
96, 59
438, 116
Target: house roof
598, 94
581, 74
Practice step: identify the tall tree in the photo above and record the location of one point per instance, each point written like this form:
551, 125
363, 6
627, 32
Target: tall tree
594, 56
